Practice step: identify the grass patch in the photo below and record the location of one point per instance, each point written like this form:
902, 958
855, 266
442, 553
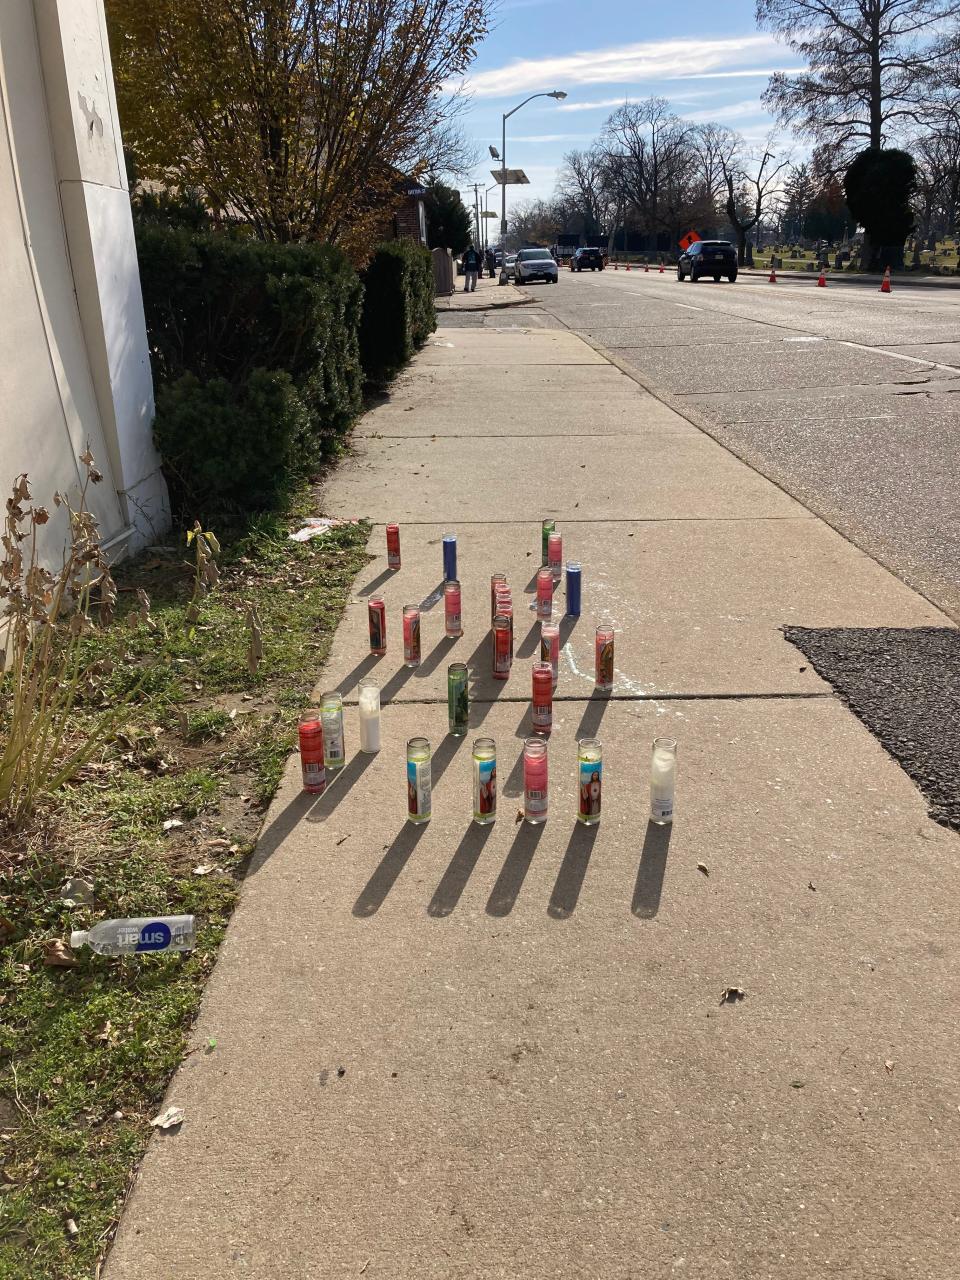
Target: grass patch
86, 1052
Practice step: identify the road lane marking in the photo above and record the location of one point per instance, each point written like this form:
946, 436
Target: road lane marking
686, 306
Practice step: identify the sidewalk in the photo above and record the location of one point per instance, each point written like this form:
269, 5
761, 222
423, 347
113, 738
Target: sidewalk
447, 1052
489, 295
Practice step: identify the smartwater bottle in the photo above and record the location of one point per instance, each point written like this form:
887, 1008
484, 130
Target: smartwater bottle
144, 933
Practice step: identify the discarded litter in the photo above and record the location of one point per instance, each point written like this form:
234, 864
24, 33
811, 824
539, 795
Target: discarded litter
171, 824
316, 527
169, 1119
134, 936
732, 995
702, 866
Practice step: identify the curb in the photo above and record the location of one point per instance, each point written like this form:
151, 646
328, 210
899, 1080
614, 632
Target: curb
487, 306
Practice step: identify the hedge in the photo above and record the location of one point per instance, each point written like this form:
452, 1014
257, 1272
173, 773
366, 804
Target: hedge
398, 310
223, 309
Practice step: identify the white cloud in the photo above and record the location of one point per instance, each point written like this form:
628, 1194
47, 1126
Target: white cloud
551, 137
730, 75
623, 64
750, 110
596, 106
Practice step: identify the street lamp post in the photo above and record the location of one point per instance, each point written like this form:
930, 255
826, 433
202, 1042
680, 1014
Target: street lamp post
559, 95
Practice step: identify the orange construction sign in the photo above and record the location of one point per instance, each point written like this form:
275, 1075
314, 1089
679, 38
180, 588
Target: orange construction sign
690, 238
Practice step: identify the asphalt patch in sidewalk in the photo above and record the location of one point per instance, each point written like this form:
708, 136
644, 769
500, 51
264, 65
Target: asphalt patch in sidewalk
461, 319
904, 685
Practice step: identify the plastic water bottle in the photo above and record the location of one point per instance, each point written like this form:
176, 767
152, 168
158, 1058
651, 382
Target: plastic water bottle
141, 934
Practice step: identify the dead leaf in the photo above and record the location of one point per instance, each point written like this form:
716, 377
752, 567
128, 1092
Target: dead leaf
731, 995
6, 929
204, 869
702, 866
218, 842
169, 1119
58, 955
74, 891
519, 817
889, 1064
171, 824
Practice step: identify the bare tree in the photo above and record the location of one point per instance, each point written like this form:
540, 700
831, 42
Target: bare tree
710, 146
583, 182
869, 66
651, 145
749, 180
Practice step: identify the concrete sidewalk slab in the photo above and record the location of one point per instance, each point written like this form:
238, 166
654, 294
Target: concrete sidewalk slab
724, 637
444, 1052
662, 476
485, 347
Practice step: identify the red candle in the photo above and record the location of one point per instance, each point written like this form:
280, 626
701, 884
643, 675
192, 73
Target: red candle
535, 780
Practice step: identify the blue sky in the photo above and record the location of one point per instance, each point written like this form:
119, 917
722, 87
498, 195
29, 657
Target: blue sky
708, 60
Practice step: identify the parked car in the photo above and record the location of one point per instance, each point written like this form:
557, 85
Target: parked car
508, 269
708, 258
536, 264
592, 258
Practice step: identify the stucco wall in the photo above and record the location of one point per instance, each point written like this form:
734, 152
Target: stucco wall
74, 365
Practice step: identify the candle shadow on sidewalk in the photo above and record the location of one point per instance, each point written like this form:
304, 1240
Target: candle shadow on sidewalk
573, 869
444, 753
653, 866
375, 891
350, 680
454, 880
530, 644
504, 894
283, 823
395, 684
339, 783
436, 655
567, 624
381, 578
433, 599
593, 714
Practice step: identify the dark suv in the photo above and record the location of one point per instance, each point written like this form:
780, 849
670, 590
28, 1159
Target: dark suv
591, 258
708, 258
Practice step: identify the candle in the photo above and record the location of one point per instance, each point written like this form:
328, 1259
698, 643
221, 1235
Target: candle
541, 707
310, 732
419, 800
546, 529
331, 714
411, 635
369, 708
544, 594
573, 588
590, 770
550, 648
484, 781
663, 780
535, 780
604, 659
449, 557
555, 554
452, 616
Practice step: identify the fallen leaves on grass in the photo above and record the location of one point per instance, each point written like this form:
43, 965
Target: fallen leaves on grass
58, 955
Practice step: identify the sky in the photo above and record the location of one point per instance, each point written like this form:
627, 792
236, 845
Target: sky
712, 65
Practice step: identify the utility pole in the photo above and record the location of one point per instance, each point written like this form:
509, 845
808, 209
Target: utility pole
476, 213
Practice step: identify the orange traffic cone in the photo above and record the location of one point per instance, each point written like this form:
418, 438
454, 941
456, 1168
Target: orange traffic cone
661, 268
885, 285
822, 282
772, 278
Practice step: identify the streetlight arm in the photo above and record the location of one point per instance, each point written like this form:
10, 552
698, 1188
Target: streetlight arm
555, 93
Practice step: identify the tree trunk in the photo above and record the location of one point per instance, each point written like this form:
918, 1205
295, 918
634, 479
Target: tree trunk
741, 245
876, 79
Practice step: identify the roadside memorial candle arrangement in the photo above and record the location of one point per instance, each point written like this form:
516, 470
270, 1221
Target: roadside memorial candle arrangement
321, 731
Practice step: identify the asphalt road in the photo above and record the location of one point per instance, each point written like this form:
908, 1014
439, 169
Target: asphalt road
844, 396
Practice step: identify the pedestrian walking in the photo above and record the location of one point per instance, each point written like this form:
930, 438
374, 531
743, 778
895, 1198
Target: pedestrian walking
490, 261
471, 268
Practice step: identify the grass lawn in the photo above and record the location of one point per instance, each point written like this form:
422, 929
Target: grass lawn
162, 821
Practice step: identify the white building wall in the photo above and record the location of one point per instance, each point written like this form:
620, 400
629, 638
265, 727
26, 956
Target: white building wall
74, 364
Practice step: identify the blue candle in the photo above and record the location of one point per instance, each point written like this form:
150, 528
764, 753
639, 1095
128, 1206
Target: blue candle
573, 589
449, 557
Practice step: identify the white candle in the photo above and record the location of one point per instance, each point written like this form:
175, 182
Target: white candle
369, 707
663, 780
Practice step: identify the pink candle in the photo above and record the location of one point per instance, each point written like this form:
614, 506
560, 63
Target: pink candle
555, 554
453, 622
550, 647
544, 593
535, 780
